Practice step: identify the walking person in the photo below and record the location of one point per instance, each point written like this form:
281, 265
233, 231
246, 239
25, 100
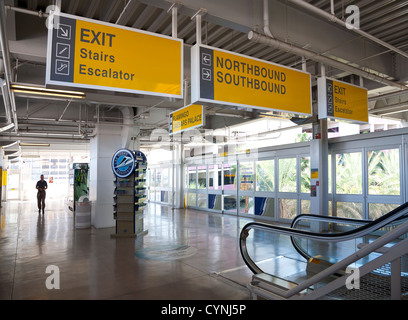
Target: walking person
41, 187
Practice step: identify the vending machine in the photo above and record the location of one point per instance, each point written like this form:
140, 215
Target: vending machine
78, 182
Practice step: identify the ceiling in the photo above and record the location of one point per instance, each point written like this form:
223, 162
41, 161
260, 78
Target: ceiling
378, 55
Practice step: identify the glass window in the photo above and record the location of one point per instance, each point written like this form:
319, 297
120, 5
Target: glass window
165, 178
151, 174
352, 210
246, 205
265, 175
214, 201
287, 208
214, 177
158, 177
246, 176
376, 210
230, 203
201, 200
152, 195
192, 174
349, 176
192, 199
305, 174
287, 175
383, 172
268, 209
305, 206
170, 197
230, 171
170, 178
202, 177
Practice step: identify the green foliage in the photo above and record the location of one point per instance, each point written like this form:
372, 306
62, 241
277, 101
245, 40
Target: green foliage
383, 172
287, 175
349, 173
265, 175
305, 178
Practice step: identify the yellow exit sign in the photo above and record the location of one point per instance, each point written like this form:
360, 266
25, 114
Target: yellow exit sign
341, 100
91, 54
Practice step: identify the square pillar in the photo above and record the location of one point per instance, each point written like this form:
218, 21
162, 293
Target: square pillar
107, 141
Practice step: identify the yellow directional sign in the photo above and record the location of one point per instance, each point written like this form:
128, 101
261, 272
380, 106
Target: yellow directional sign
92, 54
189, 117
224, 77
341, 100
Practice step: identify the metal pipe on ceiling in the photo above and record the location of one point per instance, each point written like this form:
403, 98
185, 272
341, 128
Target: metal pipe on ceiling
390, 107
389, 95
174, 13
127, 10
331, 17
8, 95
280, 45
40, 14
266, 28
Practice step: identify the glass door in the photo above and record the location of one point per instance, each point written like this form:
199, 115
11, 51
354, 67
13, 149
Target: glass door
215, 187
246, 188
229, 184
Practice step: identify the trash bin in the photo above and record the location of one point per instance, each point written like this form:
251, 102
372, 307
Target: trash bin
83, 213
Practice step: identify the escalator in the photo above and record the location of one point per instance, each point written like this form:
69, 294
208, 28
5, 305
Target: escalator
301, 236
363, 227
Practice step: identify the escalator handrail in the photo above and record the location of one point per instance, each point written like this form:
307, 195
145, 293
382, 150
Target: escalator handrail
392, 216
316, 217
329, 237
384, 217
269, 228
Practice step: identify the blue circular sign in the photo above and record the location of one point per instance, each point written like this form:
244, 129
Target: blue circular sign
123, 163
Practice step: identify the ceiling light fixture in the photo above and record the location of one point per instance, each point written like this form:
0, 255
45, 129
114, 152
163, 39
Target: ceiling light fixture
17, 88
27, 144
30, 156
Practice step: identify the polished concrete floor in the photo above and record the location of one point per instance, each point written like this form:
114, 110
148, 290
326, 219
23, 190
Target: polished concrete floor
185, 254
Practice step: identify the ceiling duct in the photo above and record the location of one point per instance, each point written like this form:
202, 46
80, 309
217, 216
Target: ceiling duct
280, 45
331, 17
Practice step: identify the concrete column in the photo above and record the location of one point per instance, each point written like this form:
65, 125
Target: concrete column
107, 141
178, 176
102, 147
